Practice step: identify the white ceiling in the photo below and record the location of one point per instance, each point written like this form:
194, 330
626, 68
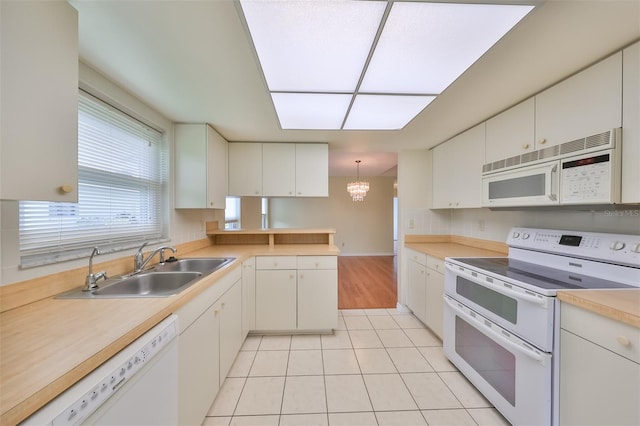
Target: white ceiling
193, 62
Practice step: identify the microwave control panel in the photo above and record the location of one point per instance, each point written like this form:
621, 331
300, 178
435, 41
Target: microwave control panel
587, 180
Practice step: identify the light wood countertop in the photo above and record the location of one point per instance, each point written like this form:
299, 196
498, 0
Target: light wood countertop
620, 304
442, 246
48, 345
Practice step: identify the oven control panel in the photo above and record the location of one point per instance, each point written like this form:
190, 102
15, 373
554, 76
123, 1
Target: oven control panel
616, 248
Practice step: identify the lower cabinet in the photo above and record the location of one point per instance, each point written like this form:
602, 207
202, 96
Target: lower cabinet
210, 338
425, 289
599, 370
296, 293
248, 296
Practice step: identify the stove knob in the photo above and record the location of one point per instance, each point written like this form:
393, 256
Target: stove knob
516, 235
636, 248
525, 236
616, 245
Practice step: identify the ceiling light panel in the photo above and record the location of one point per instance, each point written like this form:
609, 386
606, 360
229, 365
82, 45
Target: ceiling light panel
384, 112
424, 47
311, 110
313, 46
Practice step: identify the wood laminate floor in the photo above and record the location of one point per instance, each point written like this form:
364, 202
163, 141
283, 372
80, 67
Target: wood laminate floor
367, 282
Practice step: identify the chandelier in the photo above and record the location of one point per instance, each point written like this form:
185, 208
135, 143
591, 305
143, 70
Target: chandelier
358, 189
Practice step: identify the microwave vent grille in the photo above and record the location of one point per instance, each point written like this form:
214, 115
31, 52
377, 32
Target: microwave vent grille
590, 142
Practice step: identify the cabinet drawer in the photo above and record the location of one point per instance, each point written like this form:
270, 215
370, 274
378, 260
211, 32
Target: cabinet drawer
317, 262
421, 258
618, 337
435, 264
276, 262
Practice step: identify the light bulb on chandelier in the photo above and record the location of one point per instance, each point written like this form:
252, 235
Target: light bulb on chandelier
358, 189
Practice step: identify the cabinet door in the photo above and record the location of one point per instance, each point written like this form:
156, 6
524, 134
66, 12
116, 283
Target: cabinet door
442, 176
248, 296
39, 132
231, 336
216, 170
417, 290
317, 299
312, 170
199, 363
245, 169
276, 299
631, 124
466, 164
511, 133
435, 301
278, 169
585, 104
597, 386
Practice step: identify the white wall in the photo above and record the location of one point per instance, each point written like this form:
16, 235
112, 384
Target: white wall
182, 225
362, 228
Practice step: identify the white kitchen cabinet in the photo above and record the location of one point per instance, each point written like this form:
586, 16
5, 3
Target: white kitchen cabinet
417, 284
312, 165
276, 294
248, 296
457, 170
599, 369
296, 293
200, 167
199, 367
317, 292
245, 169
231, 335
585, 104
435, 295
210, 338
278, 169
39, 132
511, 132
631, 124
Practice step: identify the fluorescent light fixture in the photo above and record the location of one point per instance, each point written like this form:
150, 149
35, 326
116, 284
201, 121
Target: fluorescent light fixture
313, 46
384, 112
424, 47
319, 57
311, 110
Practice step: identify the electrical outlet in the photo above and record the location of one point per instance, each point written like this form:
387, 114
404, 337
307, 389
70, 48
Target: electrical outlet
481, 225
412, 223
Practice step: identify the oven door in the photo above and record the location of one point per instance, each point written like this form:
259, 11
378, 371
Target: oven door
523, 312
513, 375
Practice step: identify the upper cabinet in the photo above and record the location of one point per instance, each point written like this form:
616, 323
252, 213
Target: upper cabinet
585, 104
631, 124
279, 169
457, 170
511, 133
245, 169
39, 136
200, 167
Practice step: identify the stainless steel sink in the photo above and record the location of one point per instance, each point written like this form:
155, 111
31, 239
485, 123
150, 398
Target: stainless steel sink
147, 284
204, 264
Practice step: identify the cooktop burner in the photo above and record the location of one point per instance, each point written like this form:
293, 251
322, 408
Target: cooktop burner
538, 275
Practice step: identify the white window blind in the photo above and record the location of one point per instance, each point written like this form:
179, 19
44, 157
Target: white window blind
121, 175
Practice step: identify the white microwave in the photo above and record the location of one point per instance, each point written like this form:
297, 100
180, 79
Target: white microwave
587, 176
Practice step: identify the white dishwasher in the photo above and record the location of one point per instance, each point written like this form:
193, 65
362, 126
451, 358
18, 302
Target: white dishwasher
137, 386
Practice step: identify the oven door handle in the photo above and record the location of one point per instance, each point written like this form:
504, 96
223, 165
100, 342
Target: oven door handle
496, 336
500, 289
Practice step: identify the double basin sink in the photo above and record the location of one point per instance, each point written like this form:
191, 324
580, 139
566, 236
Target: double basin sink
160, 281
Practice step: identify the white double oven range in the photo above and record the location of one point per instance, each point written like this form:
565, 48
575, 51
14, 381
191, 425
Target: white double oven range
502, 318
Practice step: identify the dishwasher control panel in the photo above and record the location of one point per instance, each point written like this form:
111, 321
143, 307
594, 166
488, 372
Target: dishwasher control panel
86, 396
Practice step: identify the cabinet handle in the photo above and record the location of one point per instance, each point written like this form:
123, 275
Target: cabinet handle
457, 204
525, 146
211, 204
317, 264
542, 141
257, 192
291, 277
223, 305
216, 312
65, 189
623, 340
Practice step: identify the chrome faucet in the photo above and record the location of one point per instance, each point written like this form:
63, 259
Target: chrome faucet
139, 262
91, 282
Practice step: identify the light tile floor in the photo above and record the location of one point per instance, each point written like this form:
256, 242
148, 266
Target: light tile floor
380, 367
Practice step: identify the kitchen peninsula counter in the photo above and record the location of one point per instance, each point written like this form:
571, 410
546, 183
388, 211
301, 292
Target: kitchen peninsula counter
48, 345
